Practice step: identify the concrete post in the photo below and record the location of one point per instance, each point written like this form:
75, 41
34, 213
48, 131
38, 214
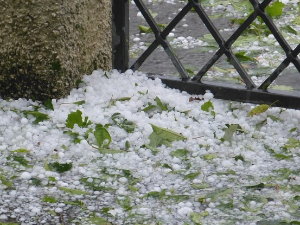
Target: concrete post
46, 46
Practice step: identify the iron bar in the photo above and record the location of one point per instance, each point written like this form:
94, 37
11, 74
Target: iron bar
120, 34
195, 86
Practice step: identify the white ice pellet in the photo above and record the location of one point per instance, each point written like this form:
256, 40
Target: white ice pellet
36, 210
208, 96
123, 180
24, 120
58, 210
184, 211
25, 176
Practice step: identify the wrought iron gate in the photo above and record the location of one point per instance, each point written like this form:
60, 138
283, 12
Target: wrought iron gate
244, 93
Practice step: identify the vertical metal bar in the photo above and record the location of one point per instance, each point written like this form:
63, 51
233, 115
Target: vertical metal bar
120, 34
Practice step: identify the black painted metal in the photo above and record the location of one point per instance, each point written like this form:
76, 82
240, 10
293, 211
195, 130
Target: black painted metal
120, 34
247, 93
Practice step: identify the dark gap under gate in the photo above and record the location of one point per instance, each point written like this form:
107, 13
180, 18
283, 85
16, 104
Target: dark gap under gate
248, 91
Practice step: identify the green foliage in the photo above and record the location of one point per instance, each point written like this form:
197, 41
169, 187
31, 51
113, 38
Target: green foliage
243, 58
161, 136
122, 122
200, 186
73, 191
60, 167
5, 181
98, 221
219, 193
145, 29
197, 217
160, 104
35, 181
231, 129
95, 184
239, 157
149, 107
125, 202
180, 153
275, 9
49, 199
191, 176
260, 109
256, 186
39, 117
18, 159
76, 118
278, 156
127, 145
209, 156
208, 107
102, 136
48, 104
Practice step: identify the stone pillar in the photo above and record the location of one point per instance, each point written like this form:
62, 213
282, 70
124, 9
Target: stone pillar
46, 46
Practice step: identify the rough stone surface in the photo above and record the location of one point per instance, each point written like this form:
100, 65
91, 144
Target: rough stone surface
46, 46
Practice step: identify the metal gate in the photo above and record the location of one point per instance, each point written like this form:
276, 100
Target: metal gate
244, 93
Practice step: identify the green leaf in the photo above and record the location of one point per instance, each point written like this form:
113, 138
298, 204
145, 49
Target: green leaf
165, 165
19, 159
256, 187
207, 106
149, 107
73, 191
132, 188
102, 136
79, 203
35, 181
49, 199
153, 194
39, 117
274, 118
125, 202
98, 221
209, 156
95, 184
21, 150
79, 102
74, 118
200, 186
122, 122
275, 9
232, 128
178, 198
153, 149
127, 145
160, 104
219, 193
289, 29
161, 136
260, 109
197, 217
191, 176
239, 157
180, 153
60, 167
145, 29
243, 58
110, 151
48, 104
5, 181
